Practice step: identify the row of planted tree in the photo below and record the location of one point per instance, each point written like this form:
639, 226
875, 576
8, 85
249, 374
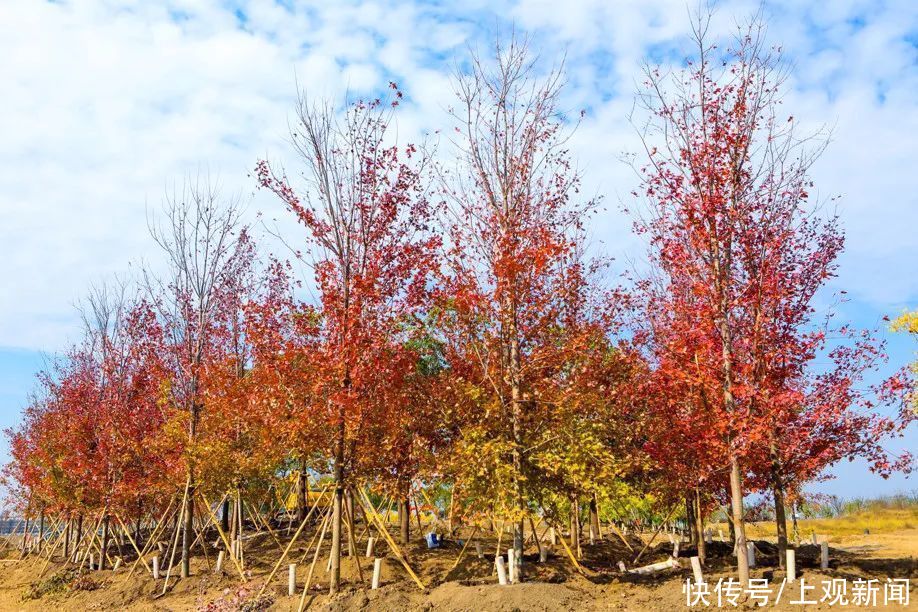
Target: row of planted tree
457, 328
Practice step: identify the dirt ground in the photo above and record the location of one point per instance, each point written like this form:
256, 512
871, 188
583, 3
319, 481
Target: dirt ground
471, 585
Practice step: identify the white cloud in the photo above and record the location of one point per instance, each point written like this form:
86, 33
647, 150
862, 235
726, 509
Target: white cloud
105, 104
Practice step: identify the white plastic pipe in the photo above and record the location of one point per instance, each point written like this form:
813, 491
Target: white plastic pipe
696, 569
377, 570
501, 571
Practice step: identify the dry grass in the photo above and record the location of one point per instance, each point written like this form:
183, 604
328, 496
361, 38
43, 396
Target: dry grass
876, 521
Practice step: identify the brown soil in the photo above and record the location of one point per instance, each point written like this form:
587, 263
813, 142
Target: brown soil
555, 585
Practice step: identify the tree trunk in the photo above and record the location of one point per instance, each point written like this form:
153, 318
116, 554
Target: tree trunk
349, 514
25, 536
225, 517
188, 528
690, 517
79, 535
594, 518
736, 499
698, 527
302, 495
575, 524
41, 530
777, 487
105, 535
67, 533
404, 520
516, 416
335, 577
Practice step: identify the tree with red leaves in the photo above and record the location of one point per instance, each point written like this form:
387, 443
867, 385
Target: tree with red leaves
367, 216
516, 311
196, 300
739, 252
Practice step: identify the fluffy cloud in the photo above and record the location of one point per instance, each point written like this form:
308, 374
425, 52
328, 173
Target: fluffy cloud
105, 104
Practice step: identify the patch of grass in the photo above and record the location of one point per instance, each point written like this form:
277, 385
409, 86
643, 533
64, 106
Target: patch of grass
70, 579
877, 519
56, 583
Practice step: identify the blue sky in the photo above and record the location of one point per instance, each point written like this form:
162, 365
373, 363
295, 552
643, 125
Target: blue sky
107, 103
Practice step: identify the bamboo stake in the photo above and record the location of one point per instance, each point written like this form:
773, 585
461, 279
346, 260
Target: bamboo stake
133, 543
150, 542
178, 528
654, 537
222, 535
256, 517
60, 539
535, 535
314, 536
51, 531
500, 536
570, 554
395, 548
201, 531
152, 539
92, 538
417, 511
462, 552
378, 510
290, 545
621, 536
315, 557
349, 524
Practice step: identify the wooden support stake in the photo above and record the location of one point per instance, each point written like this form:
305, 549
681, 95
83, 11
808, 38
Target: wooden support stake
153, 535
395, 548
654, 537
462, 552
290, 545
349, 525
178, 528
621, 536
570, 554
223, 537
315, 557
133, 543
